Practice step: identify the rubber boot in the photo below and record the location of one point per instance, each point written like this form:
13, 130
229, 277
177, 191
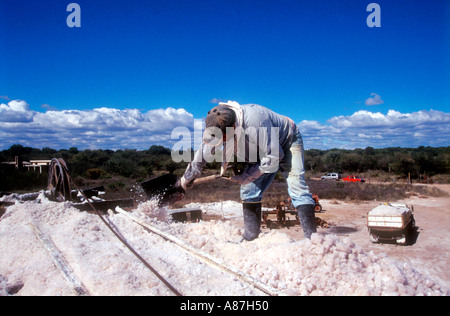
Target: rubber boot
252, 220
307, 218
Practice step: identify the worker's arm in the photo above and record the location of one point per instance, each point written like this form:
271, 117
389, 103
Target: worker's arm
204, 154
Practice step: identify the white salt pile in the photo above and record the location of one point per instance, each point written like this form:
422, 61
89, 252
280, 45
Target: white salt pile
226, 209
97, 257
326, 265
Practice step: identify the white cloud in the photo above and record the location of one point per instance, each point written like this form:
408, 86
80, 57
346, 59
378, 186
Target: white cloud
98, 128
391, 120
15, 111
110, 128
374, 99
365, 128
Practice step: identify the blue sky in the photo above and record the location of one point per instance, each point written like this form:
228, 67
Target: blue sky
315, 61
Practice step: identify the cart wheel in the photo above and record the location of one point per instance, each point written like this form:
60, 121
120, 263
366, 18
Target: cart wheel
318, 208
402, 240
373, 238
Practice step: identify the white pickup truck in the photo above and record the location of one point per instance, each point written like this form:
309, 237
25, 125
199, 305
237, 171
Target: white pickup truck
391, 222
331, 176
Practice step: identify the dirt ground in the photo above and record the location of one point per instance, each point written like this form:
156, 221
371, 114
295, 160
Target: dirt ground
430, 253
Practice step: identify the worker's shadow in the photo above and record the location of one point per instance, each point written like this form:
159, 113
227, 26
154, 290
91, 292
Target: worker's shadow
277, 225
291, 221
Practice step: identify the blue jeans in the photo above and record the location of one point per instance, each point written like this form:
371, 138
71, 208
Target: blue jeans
293, 170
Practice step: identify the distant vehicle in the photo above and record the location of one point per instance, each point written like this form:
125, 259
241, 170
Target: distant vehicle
332, 176
353, 179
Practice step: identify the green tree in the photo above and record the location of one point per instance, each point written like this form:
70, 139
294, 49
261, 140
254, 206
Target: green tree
403, 164
351, 162
159, 150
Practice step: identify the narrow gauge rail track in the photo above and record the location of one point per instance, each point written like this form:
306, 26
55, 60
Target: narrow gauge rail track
61, 175
205, 257
59, 181
79, 289
59, 261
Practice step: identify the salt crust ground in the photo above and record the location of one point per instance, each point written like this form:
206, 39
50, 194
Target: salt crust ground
326, 265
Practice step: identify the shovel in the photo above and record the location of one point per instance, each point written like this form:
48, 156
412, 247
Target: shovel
164, 189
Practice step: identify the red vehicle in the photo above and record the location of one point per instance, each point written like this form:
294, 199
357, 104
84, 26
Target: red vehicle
353, 179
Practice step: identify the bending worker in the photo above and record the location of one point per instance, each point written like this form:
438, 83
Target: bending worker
268, 142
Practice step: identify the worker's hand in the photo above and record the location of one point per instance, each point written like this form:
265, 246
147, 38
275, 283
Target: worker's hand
182, 183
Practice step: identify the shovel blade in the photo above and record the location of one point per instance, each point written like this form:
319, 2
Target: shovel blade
163, 189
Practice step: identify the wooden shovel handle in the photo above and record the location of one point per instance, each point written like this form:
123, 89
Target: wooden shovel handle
207, 179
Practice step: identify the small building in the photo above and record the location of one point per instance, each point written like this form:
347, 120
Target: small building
37, 164
32, 164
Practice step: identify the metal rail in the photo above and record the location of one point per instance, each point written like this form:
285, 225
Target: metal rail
268, 290
63, 176
159, 276
65, 171
59, 261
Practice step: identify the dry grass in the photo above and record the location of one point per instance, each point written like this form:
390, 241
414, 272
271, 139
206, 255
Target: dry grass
222, 190
366, 191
